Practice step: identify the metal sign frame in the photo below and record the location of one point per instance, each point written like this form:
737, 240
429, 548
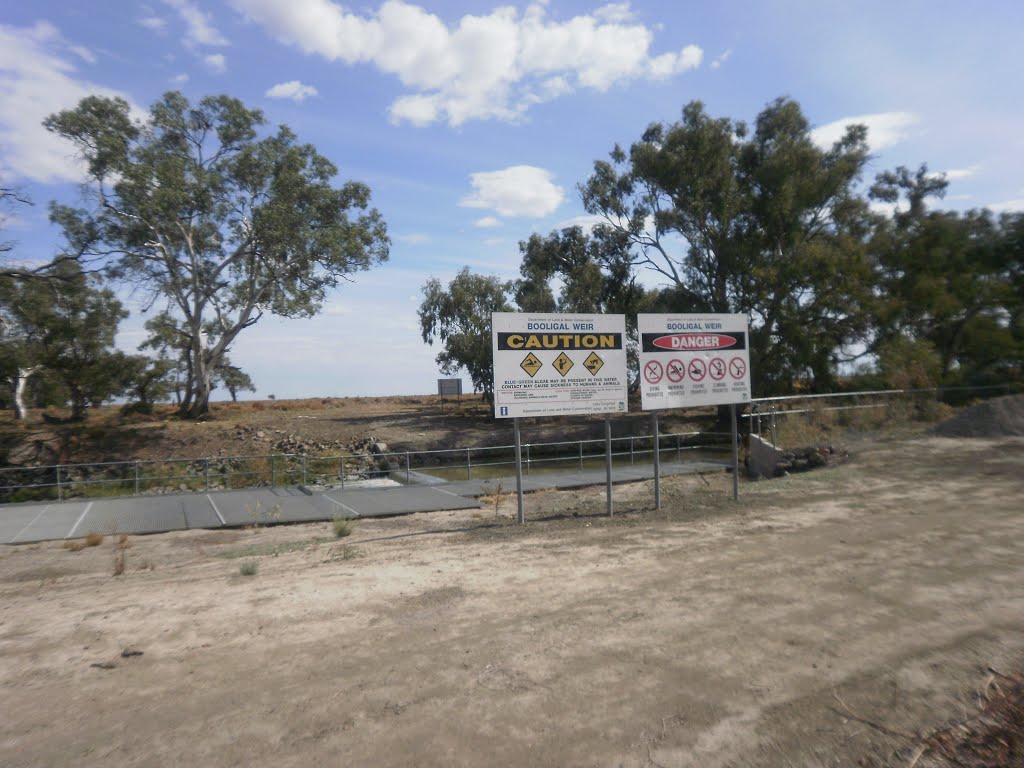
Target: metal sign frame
558, 364
690, 360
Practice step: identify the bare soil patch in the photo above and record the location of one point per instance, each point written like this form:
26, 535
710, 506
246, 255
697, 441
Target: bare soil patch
838, 617
325, 426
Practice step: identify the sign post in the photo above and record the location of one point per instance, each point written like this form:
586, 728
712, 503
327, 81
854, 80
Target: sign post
519, 472
690, 360
553, 364
608, 460
657, 460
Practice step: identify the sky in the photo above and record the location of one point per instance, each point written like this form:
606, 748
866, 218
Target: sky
473, 123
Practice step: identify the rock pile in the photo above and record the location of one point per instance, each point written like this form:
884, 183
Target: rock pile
998, 417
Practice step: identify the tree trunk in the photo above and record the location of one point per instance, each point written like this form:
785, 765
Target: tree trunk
20, 385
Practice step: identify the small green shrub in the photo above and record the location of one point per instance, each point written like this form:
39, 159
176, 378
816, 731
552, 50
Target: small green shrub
342, 527
249, 567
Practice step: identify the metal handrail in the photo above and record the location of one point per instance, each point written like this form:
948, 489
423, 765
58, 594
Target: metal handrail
295, 464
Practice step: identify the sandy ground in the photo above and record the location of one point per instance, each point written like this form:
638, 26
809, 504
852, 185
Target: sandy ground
768, 632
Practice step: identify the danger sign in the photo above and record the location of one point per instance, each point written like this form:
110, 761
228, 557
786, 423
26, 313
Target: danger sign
691, 360
653, 372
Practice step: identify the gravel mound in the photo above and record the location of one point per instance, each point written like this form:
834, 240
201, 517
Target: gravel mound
999, 417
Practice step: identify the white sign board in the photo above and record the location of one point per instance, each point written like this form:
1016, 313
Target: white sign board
692, 360
558, 364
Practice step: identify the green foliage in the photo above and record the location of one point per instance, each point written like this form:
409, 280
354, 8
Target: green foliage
764, 224
219, 222
909, 364
460, 318
947, 279
62, 324
342, 527
249, 567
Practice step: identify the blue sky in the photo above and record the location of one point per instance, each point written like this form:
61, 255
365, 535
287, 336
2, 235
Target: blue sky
473, 123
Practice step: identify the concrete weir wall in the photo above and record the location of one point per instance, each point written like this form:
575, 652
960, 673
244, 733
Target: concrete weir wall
763, 457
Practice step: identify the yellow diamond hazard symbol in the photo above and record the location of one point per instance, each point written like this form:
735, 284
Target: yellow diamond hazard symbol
593, 363
531, 364
562, 363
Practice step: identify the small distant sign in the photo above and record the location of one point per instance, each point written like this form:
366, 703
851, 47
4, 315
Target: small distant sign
449, 387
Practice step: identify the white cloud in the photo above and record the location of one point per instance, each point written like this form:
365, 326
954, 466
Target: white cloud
180, 79
669, 64
885, 129
487, 222
961, 173
198, 28
586, 222
216, 63
83, 53
153, 23
722, 58
492, 66
519, 190
1007, 206
293, 89
37, 78
412, 238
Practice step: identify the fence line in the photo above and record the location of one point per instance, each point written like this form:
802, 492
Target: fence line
131, 478
293, 468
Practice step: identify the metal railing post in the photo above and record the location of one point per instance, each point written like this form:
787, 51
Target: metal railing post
304, 469
342, 473
407, 472
469, 466
631, 450
60, 494
581, 455
206, 473
136, 478
273, 470
527, 458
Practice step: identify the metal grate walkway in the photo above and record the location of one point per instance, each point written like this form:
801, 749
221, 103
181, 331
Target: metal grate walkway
41, 521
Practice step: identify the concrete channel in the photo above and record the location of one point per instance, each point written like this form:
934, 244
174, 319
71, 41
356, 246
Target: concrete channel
42, 521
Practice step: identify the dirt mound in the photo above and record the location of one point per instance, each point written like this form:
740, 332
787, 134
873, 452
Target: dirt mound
999, 417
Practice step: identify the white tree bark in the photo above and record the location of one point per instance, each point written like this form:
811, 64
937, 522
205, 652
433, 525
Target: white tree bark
20, 385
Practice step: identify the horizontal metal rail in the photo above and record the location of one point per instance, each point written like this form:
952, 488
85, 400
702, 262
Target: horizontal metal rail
137, 477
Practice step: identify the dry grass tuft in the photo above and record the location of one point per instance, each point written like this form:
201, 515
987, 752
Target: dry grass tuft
93, 539
119, 562
73, 545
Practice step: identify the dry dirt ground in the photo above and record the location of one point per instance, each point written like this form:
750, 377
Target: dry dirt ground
257, 427
823, 620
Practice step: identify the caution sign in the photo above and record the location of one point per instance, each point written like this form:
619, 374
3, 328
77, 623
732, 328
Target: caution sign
705, 358
563, 364
549, 364
531, 364
593, 363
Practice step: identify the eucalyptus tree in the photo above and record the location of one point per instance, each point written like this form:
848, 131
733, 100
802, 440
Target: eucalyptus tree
459, 317
764, 223
202, 209
947, 281
62, 325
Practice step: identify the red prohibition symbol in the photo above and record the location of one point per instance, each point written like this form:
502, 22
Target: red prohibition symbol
653, 372
675, 370
717, 368
697, 369
737, 367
